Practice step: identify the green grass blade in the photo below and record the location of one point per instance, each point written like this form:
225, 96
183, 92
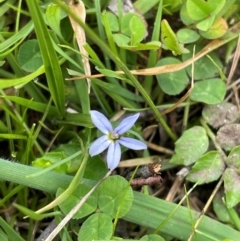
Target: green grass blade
33, 105
125, 93
157, 210
78, 119
20, 35
152, 60
11, 233
50, 60
103, 36
48, 182
101, 99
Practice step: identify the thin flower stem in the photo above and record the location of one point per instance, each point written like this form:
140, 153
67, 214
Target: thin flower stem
121, 65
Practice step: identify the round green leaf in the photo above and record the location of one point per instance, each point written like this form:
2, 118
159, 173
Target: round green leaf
228, 136
88, 207
138, 29
187, 36
220, 209
208, 168
62, 152
96, 168
231, 187
50, 158
220, 114
70, 149
124, 23
97, 227
190, 146
121, 40
115, 196
29, 56
53, 17
217, 29
233, 159
204, 68
216, 6
210, 91
185, 17
66, 29
172, 83
171, 6
113, 21
198, 10
205, 24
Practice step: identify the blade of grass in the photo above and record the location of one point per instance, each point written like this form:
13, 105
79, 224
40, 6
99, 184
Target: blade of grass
234, 215
10, 130
33, 105
101, 99
122, 91
108, 31
147, 84
103, 36
20, 35
6, 83
11, 193
77, 119
49, 56
157, 210
48, 182
16, 116
13, 136
11, 233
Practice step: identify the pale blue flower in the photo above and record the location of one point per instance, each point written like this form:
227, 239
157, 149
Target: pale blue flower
112, 138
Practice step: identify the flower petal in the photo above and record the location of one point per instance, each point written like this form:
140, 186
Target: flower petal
113, 155
101, 122
126, 124
132, 143
98, 146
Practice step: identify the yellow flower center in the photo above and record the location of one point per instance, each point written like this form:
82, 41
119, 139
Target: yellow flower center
113, 136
